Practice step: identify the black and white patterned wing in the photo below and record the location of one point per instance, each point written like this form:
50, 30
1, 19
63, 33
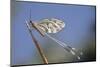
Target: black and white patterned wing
51, 25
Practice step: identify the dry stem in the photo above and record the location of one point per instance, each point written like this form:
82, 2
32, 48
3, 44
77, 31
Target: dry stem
38, 46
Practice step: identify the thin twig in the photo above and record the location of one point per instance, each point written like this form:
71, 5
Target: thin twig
37, 45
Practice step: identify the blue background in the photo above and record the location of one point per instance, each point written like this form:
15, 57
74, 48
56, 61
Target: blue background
80, 28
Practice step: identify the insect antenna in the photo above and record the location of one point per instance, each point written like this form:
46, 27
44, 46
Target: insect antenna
30, 21
30, 15
31, 24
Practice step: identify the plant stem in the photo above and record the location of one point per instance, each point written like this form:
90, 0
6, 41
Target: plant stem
38, 46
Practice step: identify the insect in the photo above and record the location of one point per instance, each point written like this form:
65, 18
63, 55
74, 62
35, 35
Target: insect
53, 25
